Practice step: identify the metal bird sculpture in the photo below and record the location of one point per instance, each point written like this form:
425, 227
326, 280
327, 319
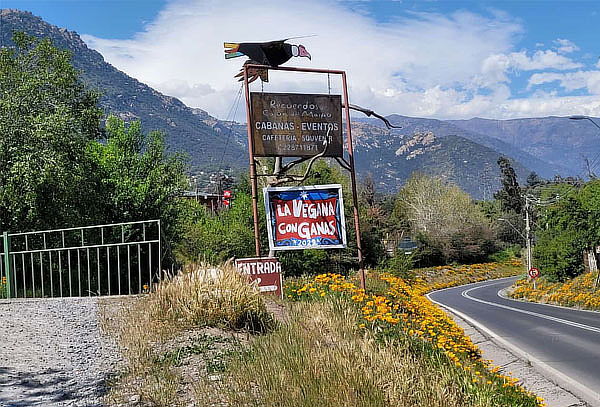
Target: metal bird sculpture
273, 53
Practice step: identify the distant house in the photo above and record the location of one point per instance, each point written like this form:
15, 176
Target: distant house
213, 202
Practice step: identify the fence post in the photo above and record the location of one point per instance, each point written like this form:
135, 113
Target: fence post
159, 253
7, 269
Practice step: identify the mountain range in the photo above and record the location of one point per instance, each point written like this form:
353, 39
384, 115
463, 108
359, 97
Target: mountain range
462, 151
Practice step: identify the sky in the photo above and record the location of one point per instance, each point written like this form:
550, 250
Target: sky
438, 59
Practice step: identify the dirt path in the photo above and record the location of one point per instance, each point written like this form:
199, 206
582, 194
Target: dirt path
52, 353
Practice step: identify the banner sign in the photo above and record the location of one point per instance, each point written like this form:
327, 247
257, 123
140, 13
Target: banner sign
309, 217
266, 271
296, 125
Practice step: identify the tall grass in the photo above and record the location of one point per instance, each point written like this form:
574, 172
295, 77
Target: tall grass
198, 297
321, 358
204, 296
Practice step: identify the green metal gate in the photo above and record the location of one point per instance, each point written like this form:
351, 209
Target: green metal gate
113, 259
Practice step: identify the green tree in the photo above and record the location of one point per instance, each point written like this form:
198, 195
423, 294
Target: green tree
218, 237
568, 227
58, 167
510, 194
446, 220
47, 118
534, 180
135, 179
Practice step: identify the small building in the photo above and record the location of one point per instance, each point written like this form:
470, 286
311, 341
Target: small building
213, 202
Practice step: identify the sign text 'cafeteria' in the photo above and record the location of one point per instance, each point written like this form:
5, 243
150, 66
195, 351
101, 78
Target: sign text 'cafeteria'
310, 217
296, 125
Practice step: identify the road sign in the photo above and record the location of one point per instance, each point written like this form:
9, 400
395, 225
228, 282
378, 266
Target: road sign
266, 271
226, 194
296, 125
533, 273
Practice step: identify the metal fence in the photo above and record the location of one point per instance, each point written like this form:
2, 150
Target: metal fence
119, 258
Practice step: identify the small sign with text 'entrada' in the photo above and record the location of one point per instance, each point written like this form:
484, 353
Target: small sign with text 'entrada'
265, 271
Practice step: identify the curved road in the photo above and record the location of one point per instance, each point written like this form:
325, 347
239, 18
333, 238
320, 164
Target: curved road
565, 343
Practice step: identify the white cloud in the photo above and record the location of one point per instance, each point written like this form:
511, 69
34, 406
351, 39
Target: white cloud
541, 60
495, 68
549, 106
446, 66
588, 80
565, 46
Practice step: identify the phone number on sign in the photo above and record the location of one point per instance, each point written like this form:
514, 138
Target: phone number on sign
300, 147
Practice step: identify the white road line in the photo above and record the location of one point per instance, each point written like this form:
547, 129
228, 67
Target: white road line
562, 379
465, 294
523, 301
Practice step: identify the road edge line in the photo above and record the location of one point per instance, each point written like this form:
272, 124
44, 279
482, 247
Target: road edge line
560, 379
468, 284
502, 294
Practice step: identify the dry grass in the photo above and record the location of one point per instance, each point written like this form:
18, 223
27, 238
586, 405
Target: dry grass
199, 297
210, 297
321, 358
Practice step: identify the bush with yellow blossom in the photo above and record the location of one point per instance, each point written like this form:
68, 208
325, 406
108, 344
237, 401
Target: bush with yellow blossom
580, 292
399, 307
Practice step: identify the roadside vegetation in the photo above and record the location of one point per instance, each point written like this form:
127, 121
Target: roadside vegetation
580, 292
188, 345
194, 316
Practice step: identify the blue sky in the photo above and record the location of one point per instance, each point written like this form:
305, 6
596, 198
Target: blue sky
444, 59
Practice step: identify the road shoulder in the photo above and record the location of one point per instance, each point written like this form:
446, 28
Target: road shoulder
511, 364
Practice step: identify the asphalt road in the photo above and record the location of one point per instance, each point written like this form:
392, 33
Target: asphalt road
562, 340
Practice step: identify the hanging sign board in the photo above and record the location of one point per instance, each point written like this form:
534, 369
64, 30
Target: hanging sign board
265, 271
296, 125
310, 217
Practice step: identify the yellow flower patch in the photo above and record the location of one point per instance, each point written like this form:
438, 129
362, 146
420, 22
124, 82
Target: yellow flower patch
578, 292
404, 305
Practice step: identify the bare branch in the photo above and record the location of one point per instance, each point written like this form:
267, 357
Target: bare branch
370, 113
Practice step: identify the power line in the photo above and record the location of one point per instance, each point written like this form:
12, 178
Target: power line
230, 117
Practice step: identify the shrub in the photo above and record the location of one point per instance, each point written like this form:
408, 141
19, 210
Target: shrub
401, 265
217, 237
204, 296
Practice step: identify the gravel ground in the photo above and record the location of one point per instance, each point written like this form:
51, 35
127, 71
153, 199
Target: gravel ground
52, 353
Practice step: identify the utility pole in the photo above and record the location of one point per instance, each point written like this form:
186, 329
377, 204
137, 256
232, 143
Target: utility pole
528, 238
528, 234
